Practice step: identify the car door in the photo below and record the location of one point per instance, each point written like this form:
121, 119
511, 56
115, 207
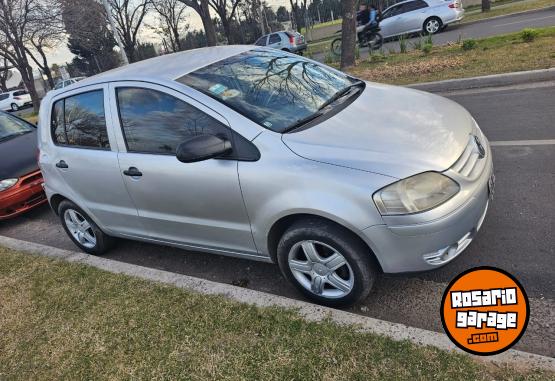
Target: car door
199, 204
274, 41
414, 15
82, 163
393, 22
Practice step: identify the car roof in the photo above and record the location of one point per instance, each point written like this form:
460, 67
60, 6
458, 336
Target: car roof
166, 67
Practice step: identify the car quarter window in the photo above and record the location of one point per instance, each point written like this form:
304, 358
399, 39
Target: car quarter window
156, 122
274, 38
79, 121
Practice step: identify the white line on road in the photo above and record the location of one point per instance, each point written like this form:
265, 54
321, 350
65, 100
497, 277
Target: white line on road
523, 21
544, 142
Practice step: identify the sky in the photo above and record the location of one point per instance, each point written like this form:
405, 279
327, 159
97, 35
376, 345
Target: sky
61, 55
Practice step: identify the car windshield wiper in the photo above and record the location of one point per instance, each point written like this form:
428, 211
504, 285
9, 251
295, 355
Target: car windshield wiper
321, 110
341, 93
301, 122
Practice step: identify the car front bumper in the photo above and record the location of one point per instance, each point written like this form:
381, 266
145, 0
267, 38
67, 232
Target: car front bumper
402, 245
27, 193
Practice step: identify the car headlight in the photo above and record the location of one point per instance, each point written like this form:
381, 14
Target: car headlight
415, 194
8, 183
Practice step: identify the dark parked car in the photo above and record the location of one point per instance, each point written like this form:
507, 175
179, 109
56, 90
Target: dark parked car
20, 177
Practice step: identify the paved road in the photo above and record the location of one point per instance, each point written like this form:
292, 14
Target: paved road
482, 28
518, 234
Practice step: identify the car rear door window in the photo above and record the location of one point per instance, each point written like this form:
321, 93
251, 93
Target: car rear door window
415, 5
80, 121
155, 122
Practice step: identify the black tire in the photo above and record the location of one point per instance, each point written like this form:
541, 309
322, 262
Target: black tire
286, 50
355, 253
378, 42
14, 107
103, 241
336, 46
432, 19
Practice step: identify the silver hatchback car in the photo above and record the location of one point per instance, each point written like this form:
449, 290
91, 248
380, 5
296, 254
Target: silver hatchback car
427, 16
262, 154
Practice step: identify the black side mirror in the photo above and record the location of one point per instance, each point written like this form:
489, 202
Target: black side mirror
202, 147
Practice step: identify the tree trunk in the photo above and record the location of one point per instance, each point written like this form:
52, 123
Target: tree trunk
227, 30
348, 36
29, 82
486, 5
208, 23
46, 70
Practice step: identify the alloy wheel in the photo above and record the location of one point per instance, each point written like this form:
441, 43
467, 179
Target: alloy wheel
432, 26
79, 228
321, 269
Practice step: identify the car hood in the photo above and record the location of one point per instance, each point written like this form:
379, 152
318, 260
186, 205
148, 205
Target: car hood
19, 156
388, 130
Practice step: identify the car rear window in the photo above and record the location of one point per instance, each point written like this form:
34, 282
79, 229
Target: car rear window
79, 121
4, 96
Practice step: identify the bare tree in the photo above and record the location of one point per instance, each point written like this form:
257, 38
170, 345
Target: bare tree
129, 16
298, 10
4, 74
203, 10
15, 18
348, 37
44, 32
172, 21
226, 11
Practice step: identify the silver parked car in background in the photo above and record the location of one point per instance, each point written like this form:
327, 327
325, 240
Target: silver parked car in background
427, 16
288, 41
262, 154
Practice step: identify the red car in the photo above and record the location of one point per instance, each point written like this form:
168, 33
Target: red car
20, 177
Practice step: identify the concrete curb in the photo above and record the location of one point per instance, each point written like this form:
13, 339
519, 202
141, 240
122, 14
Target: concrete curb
309, 311
496, 80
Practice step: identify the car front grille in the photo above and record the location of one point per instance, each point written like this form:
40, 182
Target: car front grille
472, 161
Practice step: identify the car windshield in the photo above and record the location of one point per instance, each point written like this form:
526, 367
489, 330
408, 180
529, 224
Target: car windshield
273, 88
11, 127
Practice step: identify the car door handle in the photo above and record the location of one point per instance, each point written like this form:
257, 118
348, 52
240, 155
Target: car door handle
62, 164
133, 172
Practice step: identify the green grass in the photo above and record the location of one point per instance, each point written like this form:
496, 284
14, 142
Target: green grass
31, 117
514, 7
492, 55
68, 321
324, 24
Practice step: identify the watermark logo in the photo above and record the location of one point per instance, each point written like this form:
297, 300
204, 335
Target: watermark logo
485, 311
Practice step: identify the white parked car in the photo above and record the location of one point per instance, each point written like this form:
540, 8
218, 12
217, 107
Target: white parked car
14, 100
67, 82
427, 16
